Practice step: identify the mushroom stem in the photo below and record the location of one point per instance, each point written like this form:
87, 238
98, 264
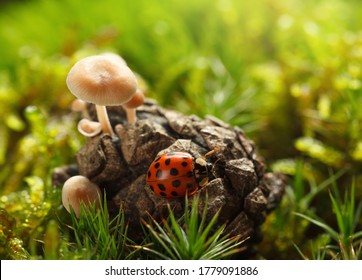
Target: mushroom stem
130, 107
104, 120
131, 115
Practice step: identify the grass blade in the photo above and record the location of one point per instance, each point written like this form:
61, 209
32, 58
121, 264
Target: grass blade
321, 224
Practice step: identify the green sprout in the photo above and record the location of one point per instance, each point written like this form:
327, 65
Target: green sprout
347, 236
189, 238
96, 236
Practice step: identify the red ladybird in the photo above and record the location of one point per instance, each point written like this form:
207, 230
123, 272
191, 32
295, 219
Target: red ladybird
176, 174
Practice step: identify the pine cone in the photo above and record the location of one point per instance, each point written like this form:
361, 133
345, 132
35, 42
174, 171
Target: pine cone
241, 189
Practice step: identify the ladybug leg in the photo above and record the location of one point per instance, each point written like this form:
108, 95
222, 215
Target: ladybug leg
213, 168
192, 192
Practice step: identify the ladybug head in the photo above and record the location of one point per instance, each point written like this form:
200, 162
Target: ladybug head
202, 171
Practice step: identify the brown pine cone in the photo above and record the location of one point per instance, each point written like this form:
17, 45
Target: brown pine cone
240, 187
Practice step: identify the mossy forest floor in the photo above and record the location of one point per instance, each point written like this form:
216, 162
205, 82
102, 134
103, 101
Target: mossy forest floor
289, 73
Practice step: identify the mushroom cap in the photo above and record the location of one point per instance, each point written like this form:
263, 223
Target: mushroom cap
79, 189
102, 80
78, 105
89, 128
114, 57
137, 100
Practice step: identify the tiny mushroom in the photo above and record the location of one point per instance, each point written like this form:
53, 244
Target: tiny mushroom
104, 80
136, 101
78, 189
80, 106
89, 128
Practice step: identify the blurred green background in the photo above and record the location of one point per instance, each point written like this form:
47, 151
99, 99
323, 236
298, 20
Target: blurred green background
287, 72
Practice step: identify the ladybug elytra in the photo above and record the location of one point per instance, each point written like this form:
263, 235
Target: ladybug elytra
177, 174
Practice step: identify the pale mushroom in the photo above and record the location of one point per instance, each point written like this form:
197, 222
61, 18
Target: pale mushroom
89, 128
114, 57
104, 80
130, 107
80, 106
78, 189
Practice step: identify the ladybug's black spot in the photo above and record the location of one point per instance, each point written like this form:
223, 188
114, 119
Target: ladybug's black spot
190, 174
184, 164
174, 172
159, 173
161, 187
163, 194
149, 174
176, 183
189, 186
157, 165
168, 161
174, 193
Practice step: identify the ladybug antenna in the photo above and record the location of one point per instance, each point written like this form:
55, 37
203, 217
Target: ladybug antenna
211, 166
211, 152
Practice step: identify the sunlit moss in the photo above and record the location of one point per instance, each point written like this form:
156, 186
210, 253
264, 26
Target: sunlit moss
290, 167
11, 246
16, 250
52, 241
317, 150
324, 106
357, 152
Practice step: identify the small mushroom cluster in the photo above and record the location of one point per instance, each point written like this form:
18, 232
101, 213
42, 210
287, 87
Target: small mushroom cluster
103, 80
